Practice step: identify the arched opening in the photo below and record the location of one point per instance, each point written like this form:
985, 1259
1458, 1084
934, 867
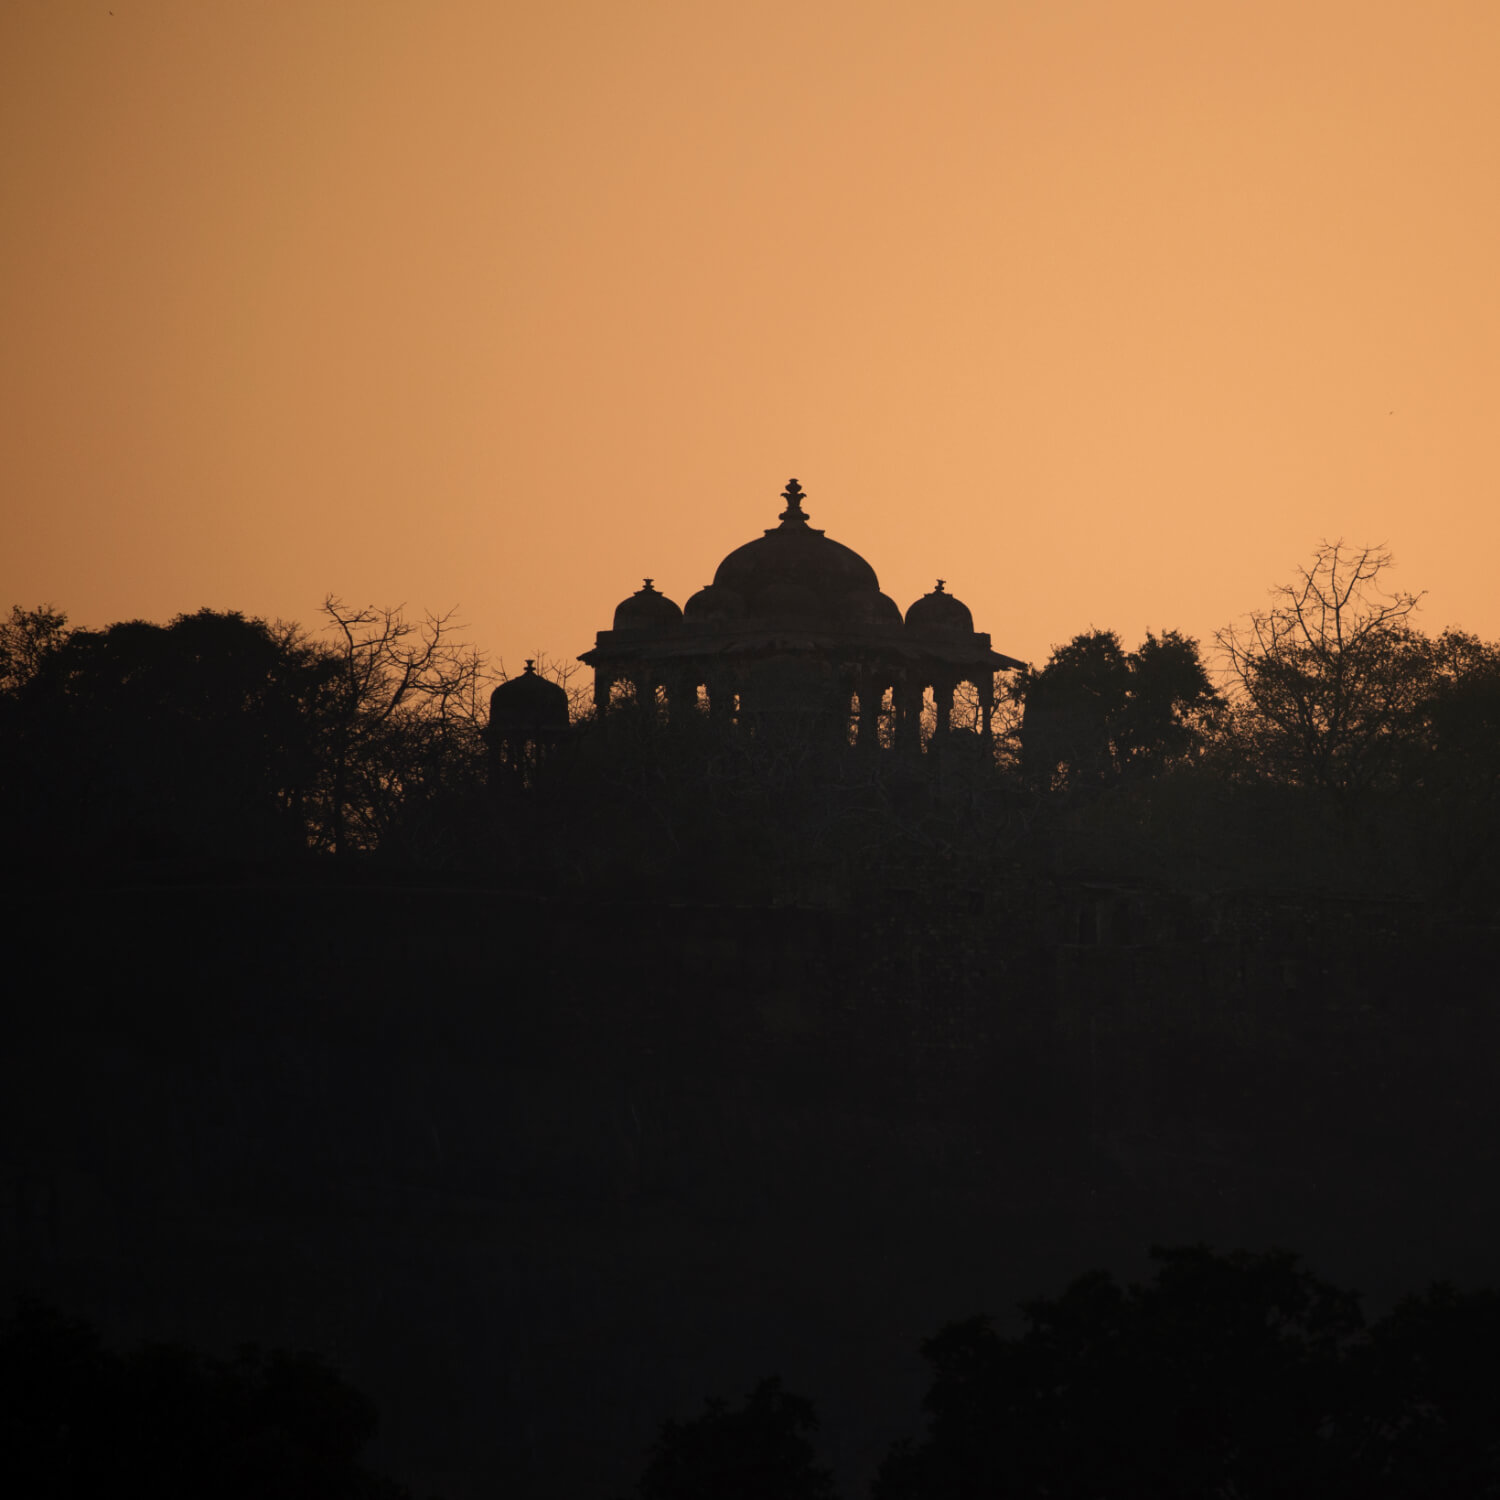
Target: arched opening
966, 713
928, 717
885, 718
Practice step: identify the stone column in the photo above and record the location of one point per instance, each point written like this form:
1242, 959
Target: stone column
603, 683
871, 696
986, 686
682, 694
908, 699
942, 696
720, 698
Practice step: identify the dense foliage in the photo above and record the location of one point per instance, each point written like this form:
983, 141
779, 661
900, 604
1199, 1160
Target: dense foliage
78, 1420
1235, 1375
1227, 1375
221, 738
759, 1451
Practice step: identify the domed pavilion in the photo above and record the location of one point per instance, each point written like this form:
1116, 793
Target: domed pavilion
528, 719
794, 630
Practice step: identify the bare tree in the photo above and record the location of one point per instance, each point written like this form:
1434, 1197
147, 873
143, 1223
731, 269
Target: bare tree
404, 700
1326, 679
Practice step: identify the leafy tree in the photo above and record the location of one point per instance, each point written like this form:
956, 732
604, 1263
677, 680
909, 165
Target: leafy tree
1169, 700
1211, 1381
186, 739
1430, 1396
1073, 706
1446, 762
1238, 1375
27, 638
221, 736
758, 1452
1453, 752
1096, 712
78, 1420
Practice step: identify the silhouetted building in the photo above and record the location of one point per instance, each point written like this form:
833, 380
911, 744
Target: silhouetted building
795, 631
528, 719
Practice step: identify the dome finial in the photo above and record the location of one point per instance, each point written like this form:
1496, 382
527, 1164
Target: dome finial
940, 583
793, 515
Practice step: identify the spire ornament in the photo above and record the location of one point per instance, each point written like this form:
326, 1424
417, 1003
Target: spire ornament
793, 515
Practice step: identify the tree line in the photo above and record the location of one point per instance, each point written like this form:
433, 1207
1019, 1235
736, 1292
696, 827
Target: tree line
79, 1419
1332, 687
218, 736
1328, 721
1224, 1375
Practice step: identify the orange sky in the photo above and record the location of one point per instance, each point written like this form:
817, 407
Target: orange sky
1103, 310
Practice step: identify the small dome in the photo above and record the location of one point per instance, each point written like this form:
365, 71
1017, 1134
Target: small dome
713, 604
646, 609
940, 614
871, 607
529, 701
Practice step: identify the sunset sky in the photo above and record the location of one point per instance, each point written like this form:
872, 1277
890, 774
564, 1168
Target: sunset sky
1105, 311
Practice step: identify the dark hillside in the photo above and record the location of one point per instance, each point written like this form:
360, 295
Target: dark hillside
540, 1173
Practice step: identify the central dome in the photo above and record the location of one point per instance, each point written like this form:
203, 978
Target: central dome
795, 570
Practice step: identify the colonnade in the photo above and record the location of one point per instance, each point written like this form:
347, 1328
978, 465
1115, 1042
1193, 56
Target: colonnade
907, 693
867, 687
